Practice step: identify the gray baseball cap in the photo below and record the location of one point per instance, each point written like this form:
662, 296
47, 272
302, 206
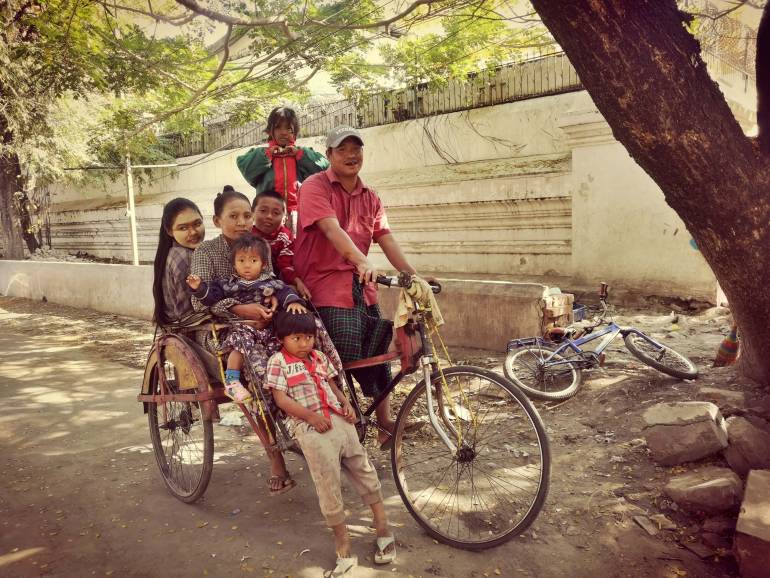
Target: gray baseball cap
339, 134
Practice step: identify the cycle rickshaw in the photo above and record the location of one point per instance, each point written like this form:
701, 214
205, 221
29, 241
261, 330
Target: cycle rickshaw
473, 477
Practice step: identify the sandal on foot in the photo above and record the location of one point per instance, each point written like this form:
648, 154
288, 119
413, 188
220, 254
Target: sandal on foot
235, 391
287, 483
387, 444
344, 566
386, 550
409, 428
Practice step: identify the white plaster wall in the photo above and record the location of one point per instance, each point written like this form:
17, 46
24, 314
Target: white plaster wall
121, 289
531, 189
627, 235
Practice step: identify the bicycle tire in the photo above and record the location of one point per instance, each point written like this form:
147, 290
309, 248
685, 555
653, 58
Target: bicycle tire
183, 445
534, 384
688, 369
511, 483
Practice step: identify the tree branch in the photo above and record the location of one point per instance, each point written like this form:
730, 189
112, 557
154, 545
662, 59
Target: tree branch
281, 23
196, 94
178, 20
380, 23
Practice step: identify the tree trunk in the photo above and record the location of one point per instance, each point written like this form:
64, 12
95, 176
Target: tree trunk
23, 205
644, 72
9, 223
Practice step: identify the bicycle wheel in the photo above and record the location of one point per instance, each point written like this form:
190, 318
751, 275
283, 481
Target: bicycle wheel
184, 445
660, 357
493, 487
527, 368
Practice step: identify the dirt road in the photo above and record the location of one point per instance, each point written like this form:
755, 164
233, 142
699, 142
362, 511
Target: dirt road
81, 494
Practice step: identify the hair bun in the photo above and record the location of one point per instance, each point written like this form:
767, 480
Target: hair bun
228, 189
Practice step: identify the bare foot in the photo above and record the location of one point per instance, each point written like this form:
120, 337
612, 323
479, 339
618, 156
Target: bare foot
384, 431
278, 472
341, 541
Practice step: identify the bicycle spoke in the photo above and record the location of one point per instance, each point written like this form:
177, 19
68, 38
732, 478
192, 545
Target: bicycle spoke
486, 489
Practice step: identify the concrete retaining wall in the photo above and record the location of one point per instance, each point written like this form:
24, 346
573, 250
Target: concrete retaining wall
483, 314
121, 289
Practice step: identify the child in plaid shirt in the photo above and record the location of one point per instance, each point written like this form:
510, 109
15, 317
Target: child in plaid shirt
321, 419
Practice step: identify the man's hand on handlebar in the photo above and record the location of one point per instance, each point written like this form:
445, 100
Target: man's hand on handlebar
406, 279
367, 273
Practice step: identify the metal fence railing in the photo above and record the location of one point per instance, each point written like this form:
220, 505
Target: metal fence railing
545, 75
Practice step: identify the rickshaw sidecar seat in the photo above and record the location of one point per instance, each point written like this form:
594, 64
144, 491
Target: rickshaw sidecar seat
208, 359
195, 367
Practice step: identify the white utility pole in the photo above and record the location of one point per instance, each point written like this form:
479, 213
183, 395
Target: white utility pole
132, 210
132, 204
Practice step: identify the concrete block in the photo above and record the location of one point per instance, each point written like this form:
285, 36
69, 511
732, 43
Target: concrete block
483, 314
752, 533
684, 431
748, 446
709, 490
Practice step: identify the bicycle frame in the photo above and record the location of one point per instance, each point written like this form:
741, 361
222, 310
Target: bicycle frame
572, 347
427, 361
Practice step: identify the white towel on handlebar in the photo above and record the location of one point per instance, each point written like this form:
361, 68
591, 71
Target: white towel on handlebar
419, 291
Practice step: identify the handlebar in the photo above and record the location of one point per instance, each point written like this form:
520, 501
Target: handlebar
404, 280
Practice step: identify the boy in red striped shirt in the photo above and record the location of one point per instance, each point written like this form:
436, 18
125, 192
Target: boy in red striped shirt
269, 211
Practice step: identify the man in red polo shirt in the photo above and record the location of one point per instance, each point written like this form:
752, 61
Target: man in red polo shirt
339, 217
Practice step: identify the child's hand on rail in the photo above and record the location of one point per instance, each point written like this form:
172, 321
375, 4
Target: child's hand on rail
348, 413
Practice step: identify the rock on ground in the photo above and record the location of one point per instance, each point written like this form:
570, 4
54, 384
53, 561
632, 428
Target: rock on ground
749, 446
729, 401
709, 490
752, 534
684, 431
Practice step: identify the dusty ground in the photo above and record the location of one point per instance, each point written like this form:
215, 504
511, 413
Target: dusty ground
81, 494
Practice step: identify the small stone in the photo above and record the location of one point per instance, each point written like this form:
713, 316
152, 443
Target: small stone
572, 531
715, 541
710, 490
698, 549
646, 525
663, 522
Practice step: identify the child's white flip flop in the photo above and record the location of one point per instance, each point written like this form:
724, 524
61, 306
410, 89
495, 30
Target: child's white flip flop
344, 566
381, 556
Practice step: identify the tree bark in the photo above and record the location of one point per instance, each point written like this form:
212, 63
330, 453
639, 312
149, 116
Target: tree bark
9, 223
644, 72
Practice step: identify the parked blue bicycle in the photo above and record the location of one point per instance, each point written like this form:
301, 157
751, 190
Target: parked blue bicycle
550, 367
